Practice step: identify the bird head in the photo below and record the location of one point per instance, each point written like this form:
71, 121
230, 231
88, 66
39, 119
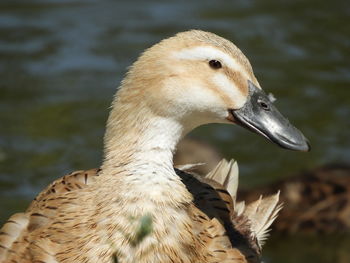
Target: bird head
197, 77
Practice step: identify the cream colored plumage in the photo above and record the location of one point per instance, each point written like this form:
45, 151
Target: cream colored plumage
95, 215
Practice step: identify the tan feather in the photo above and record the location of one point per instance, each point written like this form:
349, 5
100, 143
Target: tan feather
10, 232
211, 231
189, 167
262, 213
226, 174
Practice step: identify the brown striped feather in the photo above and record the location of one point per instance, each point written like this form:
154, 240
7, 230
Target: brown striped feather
226, 236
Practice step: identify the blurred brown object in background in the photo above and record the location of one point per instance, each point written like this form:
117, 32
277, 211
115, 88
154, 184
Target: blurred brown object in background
193, 151
316, 201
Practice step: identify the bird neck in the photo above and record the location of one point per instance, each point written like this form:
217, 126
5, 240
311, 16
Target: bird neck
141, 140
138, 155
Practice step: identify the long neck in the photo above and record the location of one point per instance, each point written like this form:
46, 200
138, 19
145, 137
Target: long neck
139, 148
134, 138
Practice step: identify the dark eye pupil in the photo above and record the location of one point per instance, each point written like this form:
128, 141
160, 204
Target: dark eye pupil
264, 105
215, 64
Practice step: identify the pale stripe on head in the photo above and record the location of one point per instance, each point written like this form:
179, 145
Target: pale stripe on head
224, 84
228, 88
207, 53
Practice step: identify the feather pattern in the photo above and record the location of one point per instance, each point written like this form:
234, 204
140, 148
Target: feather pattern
260, 213
213, 213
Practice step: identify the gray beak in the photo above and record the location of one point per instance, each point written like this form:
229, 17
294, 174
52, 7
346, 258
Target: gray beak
259, 115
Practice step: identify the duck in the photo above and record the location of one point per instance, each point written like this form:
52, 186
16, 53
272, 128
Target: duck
136, 207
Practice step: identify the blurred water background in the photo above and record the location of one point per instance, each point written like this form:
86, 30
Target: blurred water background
61, 61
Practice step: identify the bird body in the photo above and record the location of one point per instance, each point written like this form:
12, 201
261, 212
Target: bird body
191, 232
136, 207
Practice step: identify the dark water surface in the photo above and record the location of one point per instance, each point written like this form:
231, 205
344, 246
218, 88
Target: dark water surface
61, 61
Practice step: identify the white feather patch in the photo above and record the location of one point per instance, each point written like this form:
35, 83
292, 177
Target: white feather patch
209, 53
271, 97
230, 89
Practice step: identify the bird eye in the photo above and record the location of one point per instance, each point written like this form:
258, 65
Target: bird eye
215, 64
264, 105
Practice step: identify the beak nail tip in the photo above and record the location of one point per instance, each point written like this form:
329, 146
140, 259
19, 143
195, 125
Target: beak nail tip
308, 146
